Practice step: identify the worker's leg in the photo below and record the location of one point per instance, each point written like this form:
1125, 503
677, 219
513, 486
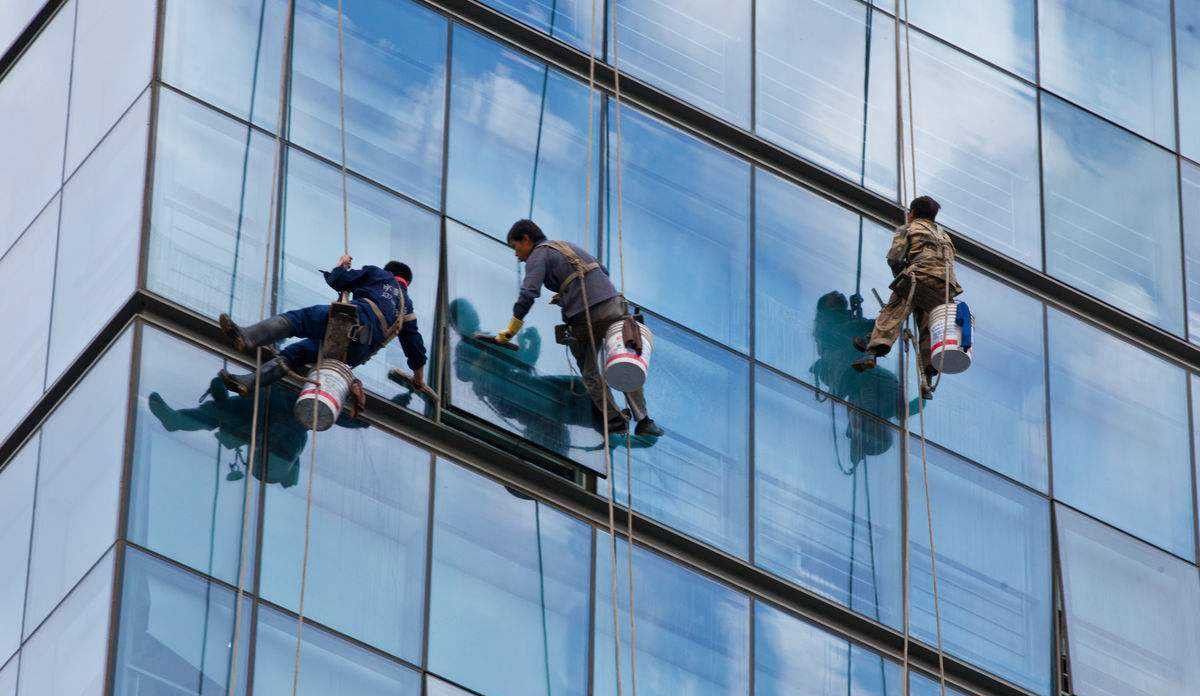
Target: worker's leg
301, 354
585, 359
309, 322
202, 417
263, 333
888, 323
295, 355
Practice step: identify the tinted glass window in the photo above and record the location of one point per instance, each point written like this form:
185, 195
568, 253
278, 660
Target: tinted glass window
16, 519
1132, 612
1000, 31
509, 611
1124, 254
826, 86
1108, 426
1187, 54
827, 497
566, 20
1190, 188
395, 68
8, 676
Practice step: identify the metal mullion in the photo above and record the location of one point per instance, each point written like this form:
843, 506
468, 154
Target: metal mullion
441, 320
752, 377
1179, 174
427, 603
591, 629
1191, 413
151, 143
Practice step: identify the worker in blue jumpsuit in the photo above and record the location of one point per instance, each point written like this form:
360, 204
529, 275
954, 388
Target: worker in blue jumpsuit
381, 295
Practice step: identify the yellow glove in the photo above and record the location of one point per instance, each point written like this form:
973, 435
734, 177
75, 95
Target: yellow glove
514, 325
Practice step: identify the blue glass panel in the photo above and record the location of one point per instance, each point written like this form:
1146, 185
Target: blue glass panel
999, 31
795, 658
210, 211
535, 392
921, 685
993, 566
695, 478
571, 21
188, 482
437, 687
395, 68
1132, 612
8, 677
328, 665
227, 52
26, 287
807, 268
1127, 255
698, 50
977, 148
519, 143
995, 413
16, 520
1189, 180
68, 654
693, 632
176, 633
79, 475
1113, 410
1114, 58
826, 86
680, 199
509, 606
1187, 66
366, 565
827, 497
382, 227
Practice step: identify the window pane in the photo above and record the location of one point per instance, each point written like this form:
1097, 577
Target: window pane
33, 118
395, 67
67, 655
795, 658
1109, 423
1123, 254
366, 565
995, 413
382, 227
977, 148
1133, 613
437, 687
999, 31
921, 685
509, 613
519, 143
1187, 55
176, 633
693, 633
8, 677
98, 238
328, 665
1114, 58
566, 20
807, 260
114, 45
210, 210
227, 52
79, 474
698, 50
534, 392
26, 282
695, 478
189, 461
16, 520
993, 565
826, 86
827, 497
1190, 181
681, 199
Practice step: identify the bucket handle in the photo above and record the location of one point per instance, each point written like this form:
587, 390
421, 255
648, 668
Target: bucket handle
631, 335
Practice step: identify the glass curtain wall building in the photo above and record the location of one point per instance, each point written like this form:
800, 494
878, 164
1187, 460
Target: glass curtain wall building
155, 537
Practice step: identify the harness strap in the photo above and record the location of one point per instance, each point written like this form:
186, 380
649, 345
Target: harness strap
391, 330
581, 268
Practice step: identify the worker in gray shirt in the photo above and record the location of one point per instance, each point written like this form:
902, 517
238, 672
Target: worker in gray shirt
573, 275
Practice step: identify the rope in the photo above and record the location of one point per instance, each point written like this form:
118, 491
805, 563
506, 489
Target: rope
342, 123
272, 220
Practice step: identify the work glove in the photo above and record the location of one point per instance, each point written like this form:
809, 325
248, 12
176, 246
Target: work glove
514, 325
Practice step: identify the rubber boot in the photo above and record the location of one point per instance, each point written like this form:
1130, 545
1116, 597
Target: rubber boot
646, 427
263, 333
243, 385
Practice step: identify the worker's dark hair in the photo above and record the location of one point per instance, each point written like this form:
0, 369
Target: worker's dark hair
924, 208
525, 228
397, 268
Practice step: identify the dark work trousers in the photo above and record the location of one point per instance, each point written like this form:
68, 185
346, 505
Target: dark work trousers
309, 323
603, 314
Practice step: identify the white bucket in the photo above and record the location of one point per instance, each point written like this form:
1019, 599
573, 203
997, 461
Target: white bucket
333, 380
945, 340
624, 369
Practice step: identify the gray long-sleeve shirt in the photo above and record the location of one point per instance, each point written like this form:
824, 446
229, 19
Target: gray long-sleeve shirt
545, 266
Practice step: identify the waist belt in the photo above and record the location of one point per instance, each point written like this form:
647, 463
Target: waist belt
581, 268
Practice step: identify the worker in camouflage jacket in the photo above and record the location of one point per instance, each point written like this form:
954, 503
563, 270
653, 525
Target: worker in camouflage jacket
922, 261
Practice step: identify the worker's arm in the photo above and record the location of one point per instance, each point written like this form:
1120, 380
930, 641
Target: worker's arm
344, 278
897, 254
531, 286
413, 345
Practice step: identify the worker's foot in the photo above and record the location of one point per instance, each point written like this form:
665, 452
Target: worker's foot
164, 413
618, 423
646, 427
263, 333
866, 362
927, 392
243, 385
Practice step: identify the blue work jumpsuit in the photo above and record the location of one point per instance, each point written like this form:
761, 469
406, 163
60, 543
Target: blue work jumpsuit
388, 292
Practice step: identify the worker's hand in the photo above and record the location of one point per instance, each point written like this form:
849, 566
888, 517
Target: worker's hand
514, 325
345, 260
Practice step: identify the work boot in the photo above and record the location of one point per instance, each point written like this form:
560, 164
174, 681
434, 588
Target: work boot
243, 385
646, 427
263, 333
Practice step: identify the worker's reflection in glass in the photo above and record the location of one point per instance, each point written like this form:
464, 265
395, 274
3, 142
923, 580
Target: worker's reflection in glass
229, 416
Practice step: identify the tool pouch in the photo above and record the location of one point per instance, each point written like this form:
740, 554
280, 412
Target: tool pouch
563, 335
631, 334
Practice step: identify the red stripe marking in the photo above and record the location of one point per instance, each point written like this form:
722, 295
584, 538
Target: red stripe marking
323, 393
634, 356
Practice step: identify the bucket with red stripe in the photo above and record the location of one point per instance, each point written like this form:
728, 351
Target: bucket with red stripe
329, 386
945, 340
624, 368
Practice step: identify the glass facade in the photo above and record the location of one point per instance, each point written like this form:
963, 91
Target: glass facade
1061, 467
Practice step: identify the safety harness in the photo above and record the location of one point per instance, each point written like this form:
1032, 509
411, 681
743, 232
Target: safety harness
581, 268
390, 330
631, 335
